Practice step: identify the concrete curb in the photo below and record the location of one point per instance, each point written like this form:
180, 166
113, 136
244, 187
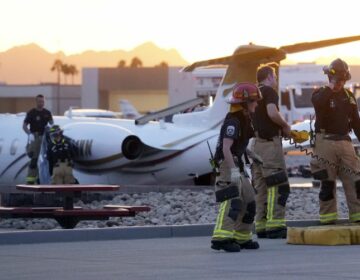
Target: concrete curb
94, 234
136, 232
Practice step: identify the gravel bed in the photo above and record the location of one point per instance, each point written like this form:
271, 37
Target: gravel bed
178, 207
185, 206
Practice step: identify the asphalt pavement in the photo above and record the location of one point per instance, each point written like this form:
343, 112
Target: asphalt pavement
175, 258
165, 252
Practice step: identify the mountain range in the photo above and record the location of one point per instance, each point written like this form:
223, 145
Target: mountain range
31, 64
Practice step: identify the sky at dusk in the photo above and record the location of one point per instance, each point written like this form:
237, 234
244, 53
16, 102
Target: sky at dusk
198, 29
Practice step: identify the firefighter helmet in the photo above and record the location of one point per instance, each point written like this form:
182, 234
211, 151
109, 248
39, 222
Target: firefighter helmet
55, 131
244, 92
338, 70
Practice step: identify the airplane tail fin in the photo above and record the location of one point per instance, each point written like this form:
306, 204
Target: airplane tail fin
128, 110
213, 115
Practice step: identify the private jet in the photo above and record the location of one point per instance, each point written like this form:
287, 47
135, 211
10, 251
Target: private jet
127, 111
115, 151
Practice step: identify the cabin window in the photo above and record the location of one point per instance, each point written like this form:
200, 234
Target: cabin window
14, 147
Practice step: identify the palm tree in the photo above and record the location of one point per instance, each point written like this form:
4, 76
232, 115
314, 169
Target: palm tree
65, 69
162, 64
73, 71
57, 66
136, 62
121, 64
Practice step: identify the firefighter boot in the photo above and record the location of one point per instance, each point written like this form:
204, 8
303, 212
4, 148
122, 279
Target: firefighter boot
261, 234
226, 245
277, 233
249, 245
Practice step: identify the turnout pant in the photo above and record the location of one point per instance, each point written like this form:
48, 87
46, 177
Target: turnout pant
342, 162
33, 151
237, 208
62, 174
271, 184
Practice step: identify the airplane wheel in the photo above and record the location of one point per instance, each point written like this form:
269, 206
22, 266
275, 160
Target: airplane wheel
205, 180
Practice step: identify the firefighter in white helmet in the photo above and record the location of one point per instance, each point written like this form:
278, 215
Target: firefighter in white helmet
234, 223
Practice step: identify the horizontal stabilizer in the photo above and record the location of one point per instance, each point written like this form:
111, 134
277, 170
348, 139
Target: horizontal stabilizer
170, 110
217, 61
244, 54
318, 44
261, 54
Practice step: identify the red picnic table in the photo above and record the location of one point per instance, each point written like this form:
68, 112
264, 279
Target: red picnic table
68, 216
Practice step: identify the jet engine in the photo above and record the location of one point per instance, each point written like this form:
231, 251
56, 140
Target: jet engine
132, 147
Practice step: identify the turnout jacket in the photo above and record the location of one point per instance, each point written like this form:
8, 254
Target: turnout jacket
61, 151
236, 126
336, 112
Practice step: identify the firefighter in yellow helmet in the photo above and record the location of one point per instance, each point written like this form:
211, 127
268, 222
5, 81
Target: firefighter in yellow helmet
233, 229
336, 115
60, 153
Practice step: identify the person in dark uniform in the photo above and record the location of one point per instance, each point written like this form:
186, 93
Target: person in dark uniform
270, 177
233, 229
34, 126
60, 153
336, 115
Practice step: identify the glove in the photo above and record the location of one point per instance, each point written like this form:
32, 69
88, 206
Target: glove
235, 176
31, 137
299, 136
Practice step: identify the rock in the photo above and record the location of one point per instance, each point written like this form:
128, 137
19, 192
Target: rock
181, 206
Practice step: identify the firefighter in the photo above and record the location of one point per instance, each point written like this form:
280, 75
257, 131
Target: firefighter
336, 115
233, 229
34, 125
269, 178
60, 153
